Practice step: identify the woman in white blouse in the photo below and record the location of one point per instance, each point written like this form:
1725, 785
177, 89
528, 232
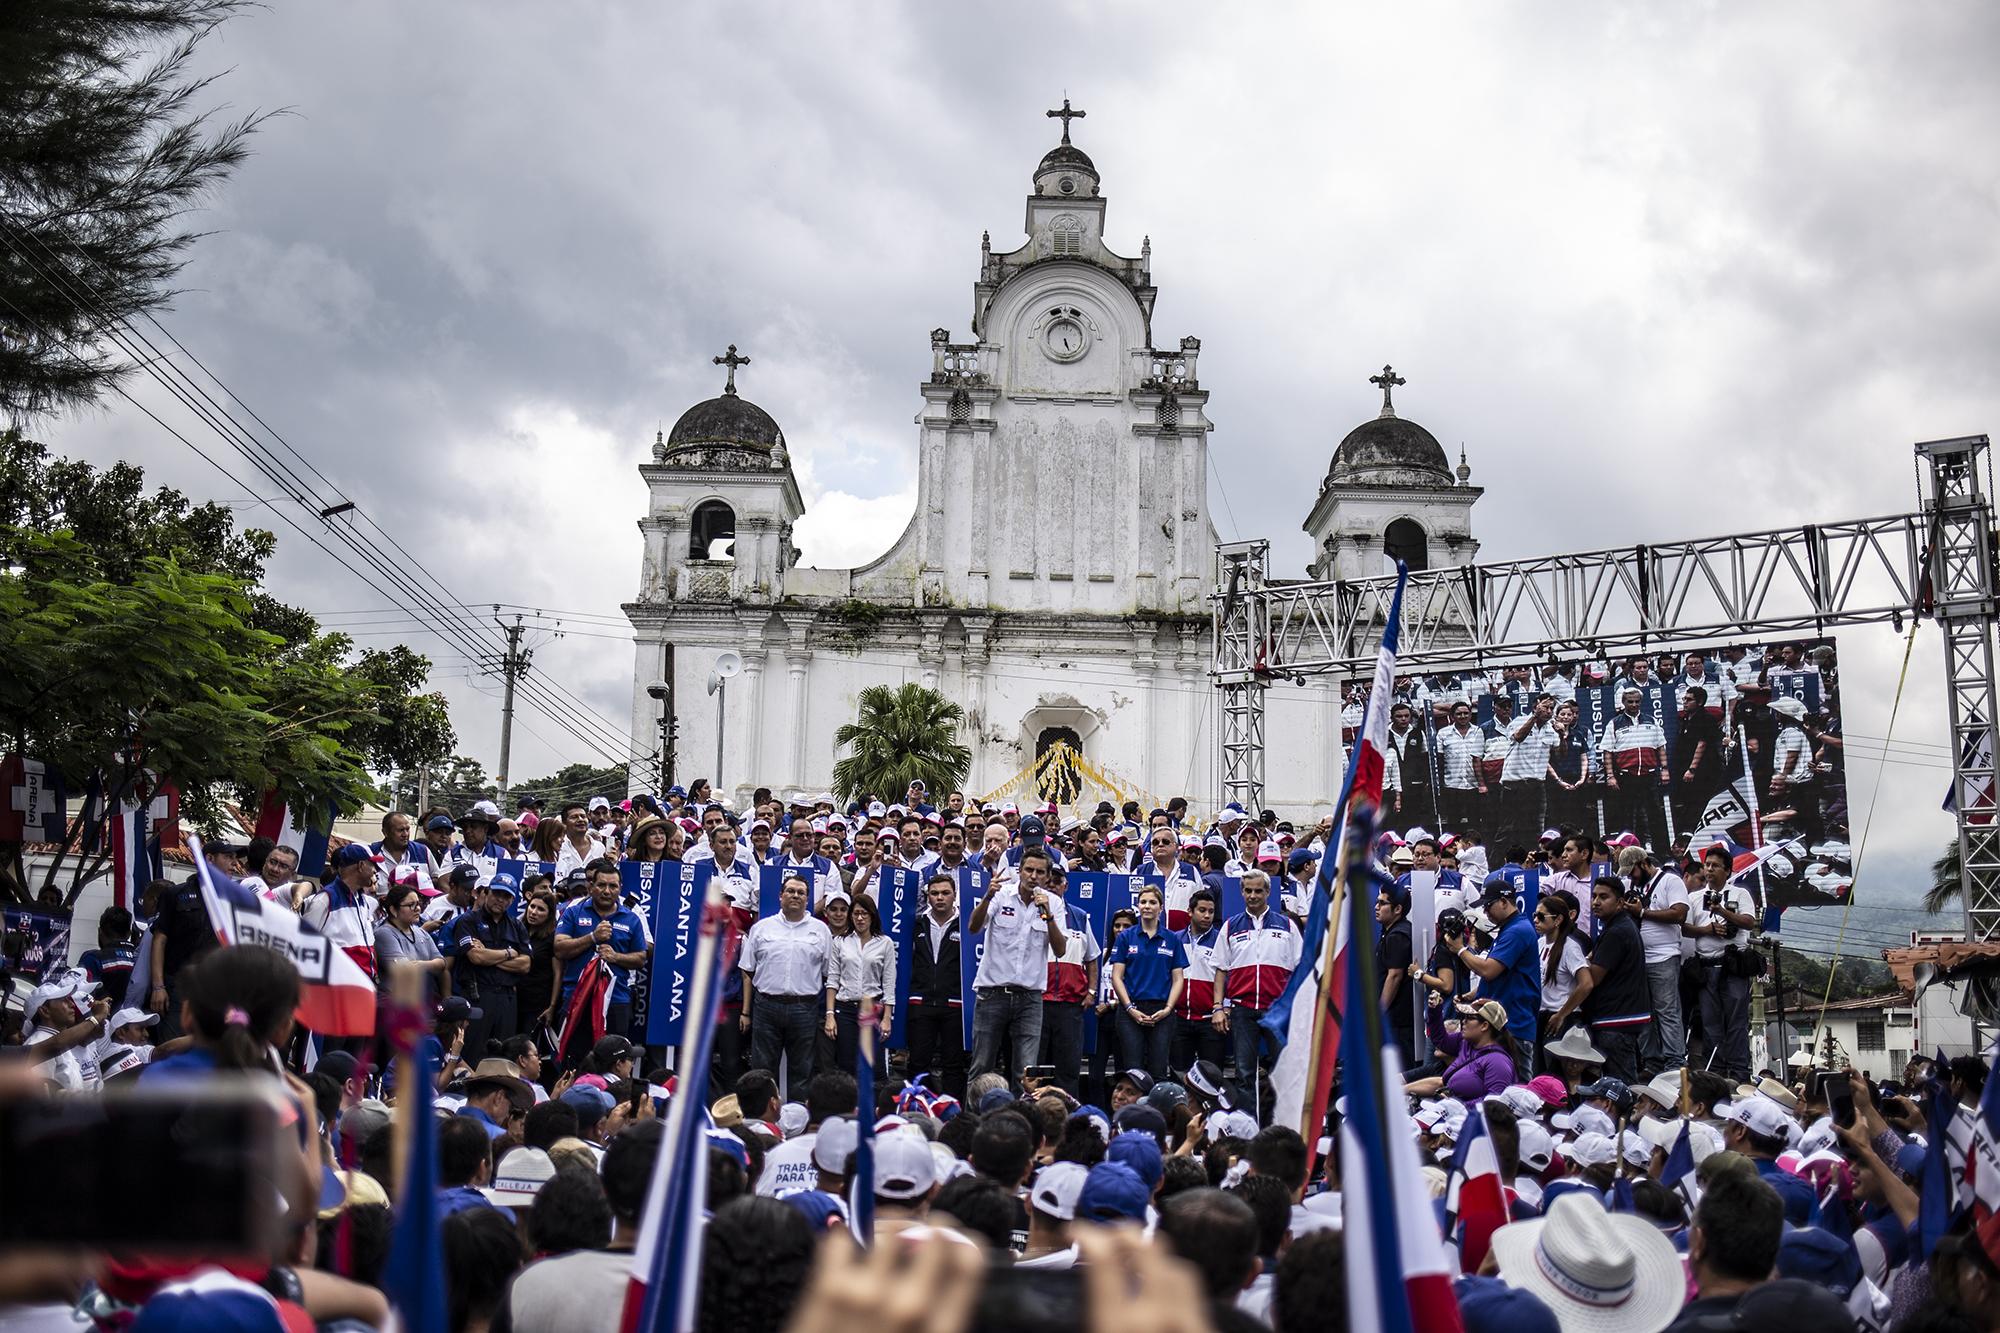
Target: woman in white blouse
1562, 961
863, 966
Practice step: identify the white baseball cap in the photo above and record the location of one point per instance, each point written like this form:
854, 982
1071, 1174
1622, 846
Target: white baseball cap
1761, 1115
1057, 1186
74, 984
1269, 850
1591, 1150
904, 1166
1538, 1147
835, 1144
128, 1016
520, 1177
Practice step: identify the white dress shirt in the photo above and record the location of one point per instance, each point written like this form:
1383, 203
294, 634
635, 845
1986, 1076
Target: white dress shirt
787, 957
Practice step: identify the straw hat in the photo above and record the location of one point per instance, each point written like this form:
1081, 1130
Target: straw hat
1595, 1270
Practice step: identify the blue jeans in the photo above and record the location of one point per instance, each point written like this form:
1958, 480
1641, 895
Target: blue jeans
1250, 1044
1009, 1015
785, 1026
1147, 1048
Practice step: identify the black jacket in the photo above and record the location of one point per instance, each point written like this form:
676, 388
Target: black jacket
933, 980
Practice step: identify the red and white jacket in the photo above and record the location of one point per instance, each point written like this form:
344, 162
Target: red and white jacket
1198, 991
1179, 887
1258, 955
1069, 973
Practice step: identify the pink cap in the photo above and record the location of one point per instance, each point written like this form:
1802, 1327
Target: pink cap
1550, 1089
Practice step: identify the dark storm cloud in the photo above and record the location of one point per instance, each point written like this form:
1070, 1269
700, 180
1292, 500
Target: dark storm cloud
1662, 273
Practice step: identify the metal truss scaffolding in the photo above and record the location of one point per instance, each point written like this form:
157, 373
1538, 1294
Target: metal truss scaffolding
1938, 561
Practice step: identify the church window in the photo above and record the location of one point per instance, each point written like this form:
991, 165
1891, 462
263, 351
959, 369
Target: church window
712, 532
1404, 540
1168, 416
1066, 235
961, 408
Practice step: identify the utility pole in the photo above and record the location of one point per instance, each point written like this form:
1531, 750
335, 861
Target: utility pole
513, 665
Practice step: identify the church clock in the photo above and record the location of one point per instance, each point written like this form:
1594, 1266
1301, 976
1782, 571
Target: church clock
1064, 339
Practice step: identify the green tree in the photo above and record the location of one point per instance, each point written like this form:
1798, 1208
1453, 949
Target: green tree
900, 734
102, 152
1946, 880
137, 645
573, 782
455, 783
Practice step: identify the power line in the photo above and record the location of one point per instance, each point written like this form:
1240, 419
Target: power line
577, 717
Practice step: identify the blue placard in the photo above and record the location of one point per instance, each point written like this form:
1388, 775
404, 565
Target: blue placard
673, 892
899, 893
1801, 685
1089, 891
770, 880
519, 870
971, 888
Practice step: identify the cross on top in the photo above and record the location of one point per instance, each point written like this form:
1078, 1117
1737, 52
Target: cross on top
1066, 116
732, 361
1388, 380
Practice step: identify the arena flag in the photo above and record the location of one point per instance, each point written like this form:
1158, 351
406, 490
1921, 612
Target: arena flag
336, 998
305, 832
662, 1295
31, 801
1303, 1021
1974, 794
148, 821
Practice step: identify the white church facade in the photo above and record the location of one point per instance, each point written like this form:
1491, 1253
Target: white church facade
1054, 579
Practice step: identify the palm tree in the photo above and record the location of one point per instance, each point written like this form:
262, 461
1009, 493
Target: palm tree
901, 734
1945, 880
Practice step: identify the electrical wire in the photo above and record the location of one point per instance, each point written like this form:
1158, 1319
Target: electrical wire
579, 719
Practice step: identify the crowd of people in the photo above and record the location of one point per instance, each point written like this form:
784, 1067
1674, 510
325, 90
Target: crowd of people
1567, 1000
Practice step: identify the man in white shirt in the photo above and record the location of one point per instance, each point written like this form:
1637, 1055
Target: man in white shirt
734, 872
1021, 930
55, 1007
1179, 877
1523, 771
1460, 747
1721, 919
396, 849
1663, 910
802, 858
577, 849
784, 964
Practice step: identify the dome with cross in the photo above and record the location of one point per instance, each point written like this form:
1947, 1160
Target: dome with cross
728, 419
1388, 450
1066, 169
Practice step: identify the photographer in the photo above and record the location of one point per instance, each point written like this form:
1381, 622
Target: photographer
1721, 921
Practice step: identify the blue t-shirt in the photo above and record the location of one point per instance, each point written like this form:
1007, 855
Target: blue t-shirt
628, 935
1149, 961
1517, 949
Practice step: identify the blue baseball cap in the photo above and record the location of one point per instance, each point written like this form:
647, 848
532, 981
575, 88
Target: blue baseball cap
503, 883
1488, 1305
1300, 858
821, 1209
1032, 828
352, 854
1113, 1192
1821, 1258
1140, 1151
437, 822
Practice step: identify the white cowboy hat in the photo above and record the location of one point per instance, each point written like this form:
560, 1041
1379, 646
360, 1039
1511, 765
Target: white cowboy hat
1595, 1270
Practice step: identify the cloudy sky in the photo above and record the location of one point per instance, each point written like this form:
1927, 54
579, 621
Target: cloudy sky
1662, 272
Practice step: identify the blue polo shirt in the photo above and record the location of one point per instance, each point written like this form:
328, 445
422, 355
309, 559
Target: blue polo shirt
1149, 961
1518, 949
628, 935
